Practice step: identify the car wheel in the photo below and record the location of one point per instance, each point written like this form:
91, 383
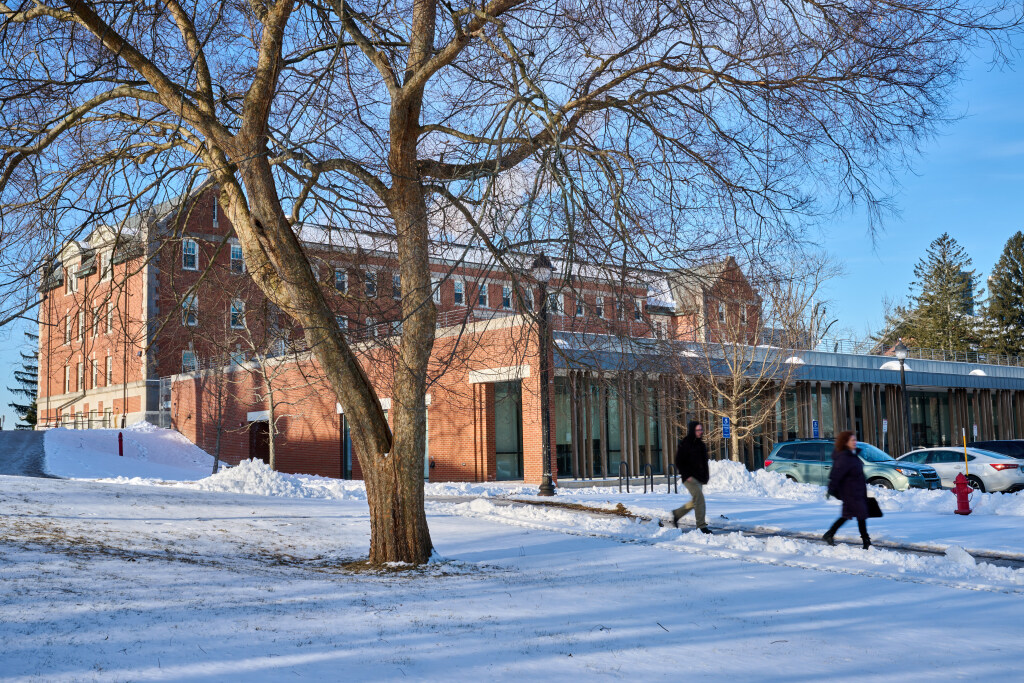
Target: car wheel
790, 477
976, 484
884, 483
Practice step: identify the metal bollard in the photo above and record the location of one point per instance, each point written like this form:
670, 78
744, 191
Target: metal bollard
623, 464
120, 444
648, 472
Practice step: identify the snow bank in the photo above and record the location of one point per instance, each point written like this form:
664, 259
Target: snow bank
149, 453
255, 477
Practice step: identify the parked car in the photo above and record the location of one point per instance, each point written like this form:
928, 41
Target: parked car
1011, 447
810, 461
985, 470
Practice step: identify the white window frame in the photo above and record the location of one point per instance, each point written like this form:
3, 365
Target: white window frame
599, 307
483, 295
721, 312
189, 248
110, 371
528, 299
67, 379
638, 311
581, 307
70, 282
81, 325
216, 216
95, 321
190, 366
341, 280
396, 285
110, 317
67, 329
240, 259
506, 297
459, 293
105, 266
435, 289
95, 373
371, 327
190, 311
236, 314
80, 377
553, 302
370, 284
743, 314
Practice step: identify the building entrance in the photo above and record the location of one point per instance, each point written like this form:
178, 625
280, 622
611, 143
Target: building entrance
508, 430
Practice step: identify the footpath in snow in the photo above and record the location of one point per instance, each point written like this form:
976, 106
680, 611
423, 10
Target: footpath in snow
242, 576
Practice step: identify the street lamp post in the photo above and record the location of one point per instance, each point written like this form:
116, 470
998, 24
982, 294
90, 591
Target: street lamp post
901, 353
542, 271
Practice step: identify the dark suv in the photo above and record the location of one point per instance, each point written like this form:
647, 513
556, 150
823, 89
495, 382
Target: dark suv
810, 461
1011, 447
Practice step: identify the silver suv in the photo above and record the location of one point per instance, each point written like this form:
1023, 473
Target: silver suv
810, 461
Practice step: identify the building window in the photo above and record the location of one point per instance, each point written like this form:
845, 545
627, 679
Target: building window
342, 322
460, 293
95, 321
110, 317
743, 314
341, 280
81, 325
481, 295
553, 302
435, 289
580, 308
506, 297
190, 255
95, 373
371, 327
238, 314
70, 282
67, 329
599, 307
80, 377
190, 311
370, 284
110, 370
188, 361
528, 299
620, 310
237, 259
237, 357
67, 380
721, 313
638, 312
396, 285
103, 260
215, 212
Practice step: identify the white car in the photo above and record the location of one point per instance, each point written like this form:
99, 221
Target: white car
985, 470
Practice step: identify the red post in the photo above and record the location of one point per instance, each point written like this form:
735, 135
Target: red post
120, 444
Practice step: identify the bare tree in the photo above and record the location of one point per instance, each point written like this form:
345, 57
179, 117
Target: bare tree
616, 130
743, 355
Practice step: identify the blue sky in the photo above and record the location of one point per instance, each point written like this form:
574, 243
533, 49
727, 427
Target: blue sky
969, 183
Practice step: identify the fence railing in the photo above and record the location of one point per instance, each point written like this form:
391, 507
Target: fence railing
872, 348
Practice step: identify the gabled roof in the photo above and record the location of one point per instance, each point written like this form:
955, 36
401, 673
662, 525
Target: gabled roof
688, 285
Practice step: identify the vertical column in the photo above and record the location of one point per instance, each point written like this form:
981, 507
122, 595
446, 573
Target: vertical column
602, 407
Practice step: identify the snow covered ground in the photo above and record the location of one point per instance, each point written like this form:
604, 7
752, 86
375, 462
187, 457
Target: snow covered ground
240, 576
149, 453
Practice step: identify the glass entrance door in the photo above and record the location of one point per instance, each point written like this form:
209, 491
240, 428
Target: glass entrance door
508, 430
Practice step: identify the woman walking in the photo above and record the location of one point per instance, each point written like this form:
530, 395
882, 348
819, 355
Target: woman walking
846, 482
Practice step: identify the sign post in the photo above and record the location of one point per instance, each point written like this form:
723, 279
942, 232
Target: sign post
814, 429
726, 434
885, 433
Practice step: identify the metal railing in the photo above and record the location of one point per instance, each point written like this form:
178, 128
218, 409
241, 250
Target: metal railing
648, 474
872, 348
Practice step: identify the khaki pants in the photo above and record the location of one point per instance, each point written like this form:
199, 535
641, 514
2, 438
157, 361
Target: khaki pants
696, 502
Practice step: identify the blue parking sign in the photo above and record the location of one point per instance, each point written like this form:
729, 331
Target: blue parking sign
725, 427
814, 428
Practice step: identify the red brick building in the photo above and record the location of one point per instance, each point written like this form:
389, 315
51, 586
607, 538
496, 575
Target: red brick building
155, 319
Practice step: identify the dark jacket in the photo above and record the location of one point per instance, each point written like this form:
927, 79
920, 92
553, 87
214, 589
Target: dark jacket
846, 482
692, 456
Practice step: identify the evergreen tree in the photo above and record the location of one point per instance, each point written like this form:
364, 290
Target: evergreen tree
26, 379
1004, 312
944, 295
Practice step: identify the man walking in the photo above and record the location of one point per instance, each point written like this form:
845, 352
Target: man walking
692, 465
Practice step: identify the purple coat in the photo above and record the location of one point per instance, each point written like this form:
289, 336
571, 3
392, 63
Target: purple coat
846, 482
